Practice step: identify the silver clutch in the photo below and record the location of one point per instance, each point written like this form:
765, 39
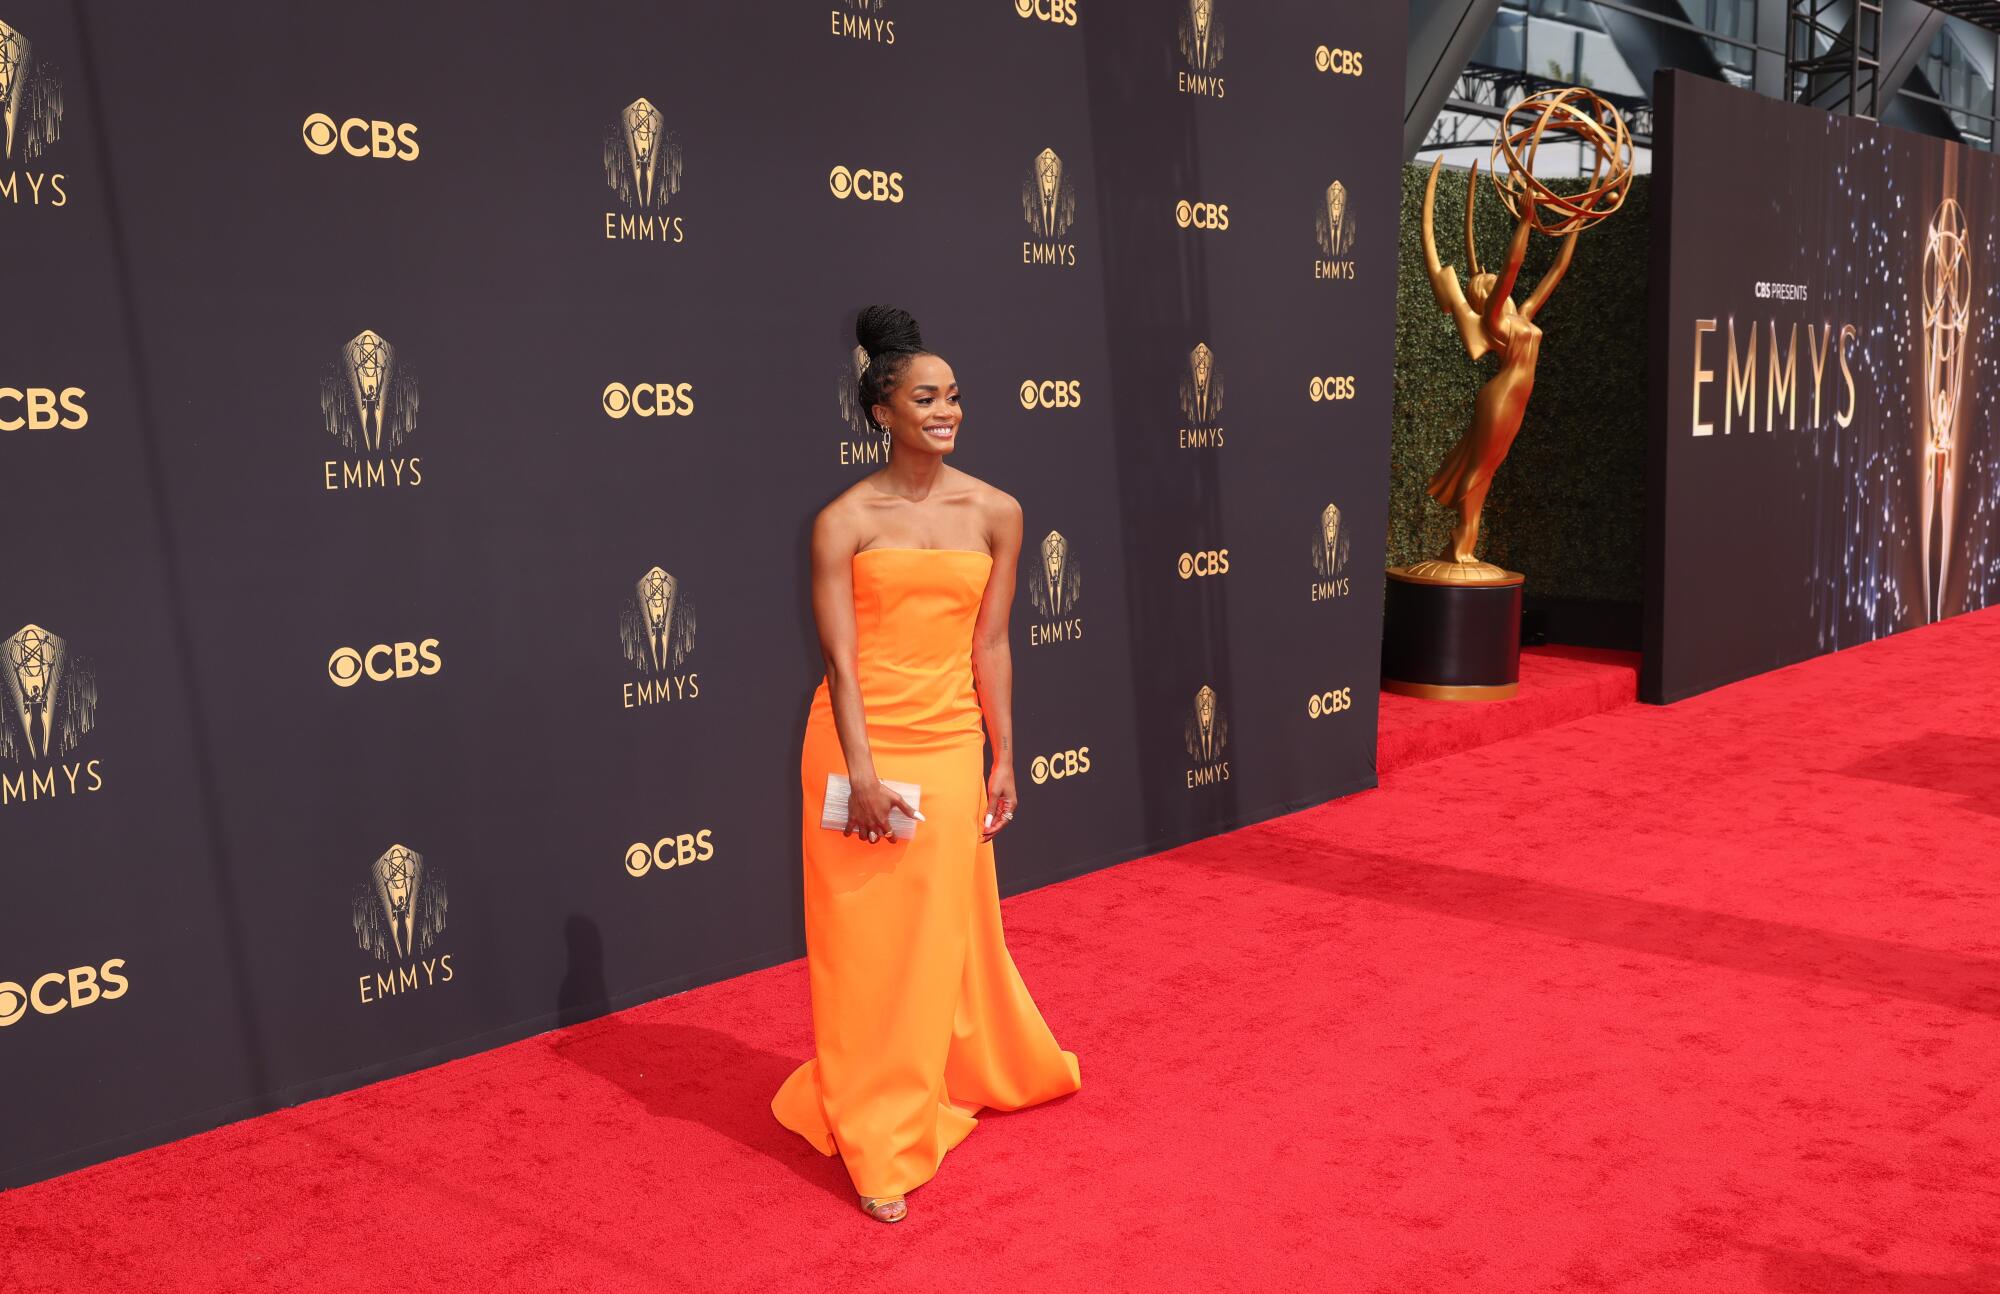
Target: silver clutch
834, 815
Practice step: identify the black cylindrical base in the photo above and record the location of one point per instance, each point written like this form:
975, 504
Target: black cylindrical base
1451, 642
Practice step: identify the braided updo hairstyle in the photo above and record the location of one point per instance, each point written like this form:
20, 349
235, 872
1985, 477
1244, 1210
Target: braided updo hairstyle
891, 338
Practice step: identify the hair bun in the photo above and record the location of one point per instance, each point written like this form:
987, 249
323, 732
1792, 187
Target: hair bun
884, 330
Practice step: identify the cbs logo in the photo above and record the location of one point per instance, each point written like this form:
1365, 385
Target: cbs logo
670, 851
43, 407
1325, 703
81, 985
1064, 763
383, 662
1331, 388
1213, 562
1201, 215
1058, 11
359, 137
1052, 395
865, 185
649, 399
1347, 62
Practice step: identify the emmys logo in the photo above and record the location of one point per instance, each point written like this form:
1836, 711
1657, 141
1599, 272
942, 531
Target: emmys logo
1053, 589
384, 661
31, 121
1201, 400
41, 408
1214, 561
1342, 62
399, 912
360, 137
1052, 395
368, 401
1206, 734
1321, 705
1330, 388
670, 851
1048, 204
1329, 556
1333, 226
31, 112
657, 633
649, 400
865, 185
59, 991
50, 699
642, 166
865, 444
1064, 763
861, 23
1201, 215
1201, 50
1946, 322
1062, 12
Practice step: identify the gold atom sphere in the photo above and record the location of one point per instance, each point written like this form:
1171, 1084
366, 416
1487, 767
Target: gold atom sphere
1947, 265
1562, 116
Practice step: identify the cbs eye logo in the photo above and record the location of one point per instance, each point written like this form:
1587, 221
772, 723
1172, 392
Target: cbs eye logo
1052, 395
384, 661
866, 185
1323, 704
1331, 388
1064, 763
1056, 11
649, 400
1346, 62
360, 137
80, 986
1201, 215
670, 851
43, 407
1213, 562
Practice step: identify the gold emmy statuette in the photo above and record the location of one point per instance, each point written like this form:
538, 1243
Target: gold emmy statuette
1489, 321
1947, 318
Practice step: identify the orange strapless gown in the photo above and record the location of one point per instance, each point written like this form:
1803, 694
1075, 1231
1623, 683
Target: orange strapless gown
919, 1017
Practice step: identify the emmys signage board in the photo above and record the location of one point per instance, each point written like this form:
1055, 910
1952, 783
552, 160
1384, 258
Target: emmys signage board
1821, 467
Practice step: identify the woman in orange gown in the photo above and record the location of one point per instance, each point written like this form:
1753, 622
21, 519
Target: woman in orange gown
919, 1017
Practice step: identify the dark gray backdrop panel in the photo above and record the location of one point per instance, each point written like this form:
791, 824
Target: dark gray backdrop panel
128, 873
202, 552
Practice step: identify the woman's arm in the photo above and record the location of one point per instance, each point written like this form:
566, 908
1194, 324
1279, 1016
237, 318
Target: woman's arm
993, 661
834, 542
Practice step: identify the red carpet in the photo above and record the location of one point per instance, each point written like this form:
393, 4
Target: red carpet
1558, 684
1705, 998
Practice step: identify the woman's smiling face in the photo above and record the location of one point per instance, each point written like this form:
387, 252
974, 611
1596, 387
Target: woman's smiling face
922, 414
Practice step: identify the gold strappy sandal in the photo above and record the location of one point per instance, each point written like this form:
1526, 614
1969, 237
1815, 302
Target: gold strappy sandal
890, 1208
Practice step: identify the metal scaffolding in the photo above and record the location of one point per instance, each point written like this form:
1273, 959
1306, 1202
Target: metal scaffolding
1833, 56
1482, 94
1865, 58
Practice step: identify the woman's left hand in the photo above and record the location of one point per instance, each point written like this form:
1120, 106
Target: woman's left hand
1000, 802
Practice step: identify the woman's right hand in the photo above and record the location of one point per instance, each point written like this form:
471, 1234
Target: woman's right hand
868, 806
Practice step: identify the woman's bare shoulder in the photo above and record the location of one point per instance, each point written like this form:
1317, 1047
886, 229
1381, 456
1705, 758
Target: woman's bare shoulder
999, 512
842, 518
990, 499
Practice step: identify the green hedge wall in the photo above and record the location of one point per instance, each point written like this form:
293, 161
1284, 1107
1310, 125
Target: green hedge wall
1568, 506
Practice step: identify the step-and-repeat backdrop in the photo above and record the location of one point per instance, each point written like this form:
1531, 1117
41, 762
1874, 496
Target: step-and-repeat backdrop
1825, 459
411, 418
